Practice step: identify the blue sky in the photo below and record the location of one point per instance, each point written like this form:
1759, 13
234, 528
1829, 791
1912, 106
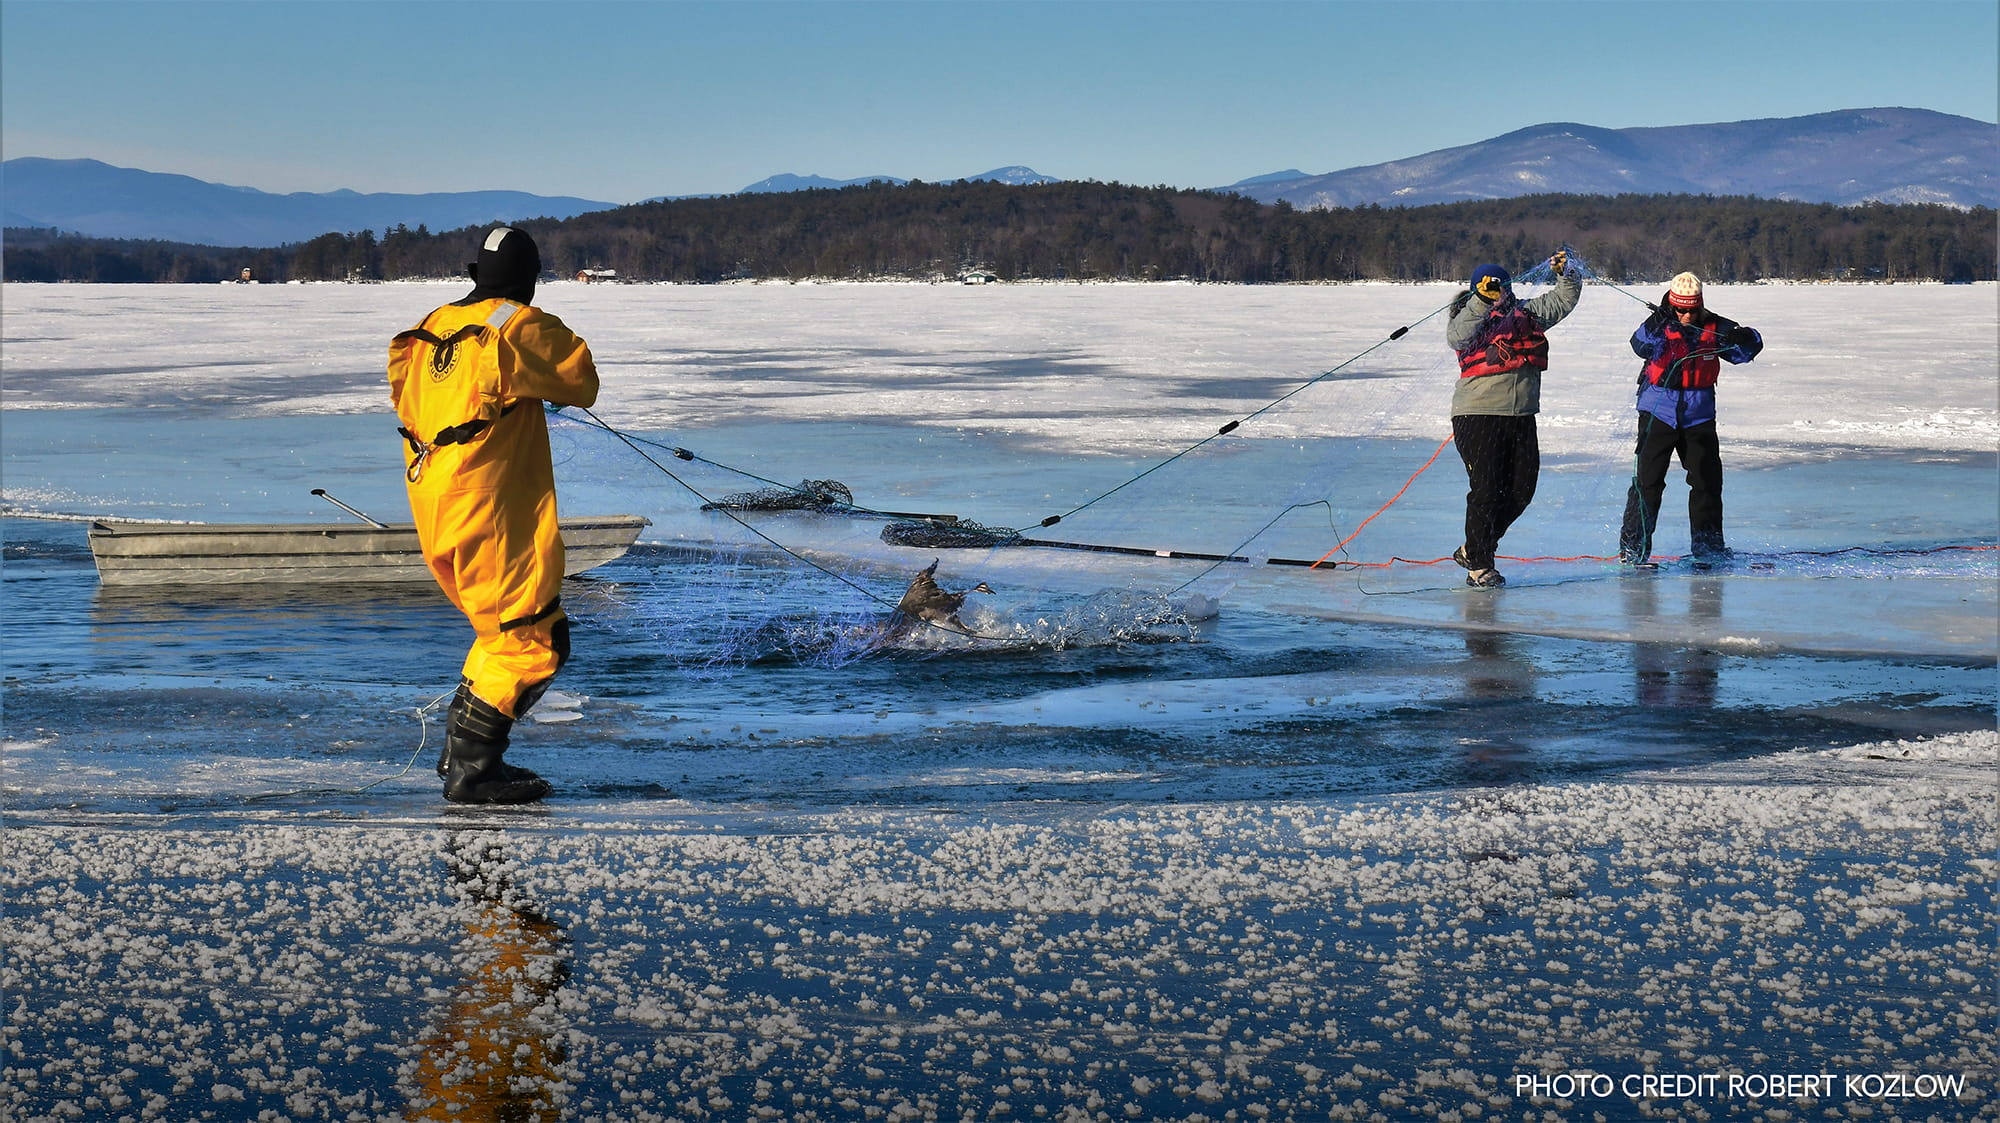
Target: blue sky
623, 100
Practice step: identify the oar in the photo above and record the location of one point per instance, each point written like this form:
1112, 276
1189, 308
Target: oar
321, 492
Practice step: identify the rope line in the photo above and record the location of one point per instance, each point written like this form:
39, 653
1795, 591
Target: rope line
423, 738
1592, 274
1535, 271
1397, 559
633, 444
689, 455
1234, 555
1392, 502
1871, 551
1234, 425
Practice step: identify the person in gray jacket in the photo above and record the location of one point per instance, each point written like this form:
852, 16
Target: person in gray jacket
1502, 353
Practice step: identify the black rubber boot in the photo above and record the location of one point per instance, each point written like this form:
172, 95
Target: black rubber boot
451, 722
475, 742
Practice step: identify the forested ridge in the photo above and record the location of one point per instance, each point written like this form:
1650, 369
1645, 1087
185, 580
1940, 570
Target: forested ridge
1105, 231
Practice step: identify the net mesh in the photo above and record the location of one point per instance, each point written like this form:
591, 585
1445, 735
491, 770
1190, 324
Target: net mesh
956, 534
809, 495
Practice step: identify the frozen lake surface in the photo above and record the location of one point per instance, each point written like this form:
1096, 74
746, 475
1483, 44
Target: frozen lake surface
1166, 839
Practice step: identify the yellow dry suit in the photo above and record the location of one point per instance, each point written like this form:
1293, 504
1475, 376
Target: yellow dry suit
468, 384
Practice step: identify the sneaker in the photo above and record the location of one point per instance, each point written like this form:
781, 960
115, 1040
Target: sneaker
1485, 579
1458, 556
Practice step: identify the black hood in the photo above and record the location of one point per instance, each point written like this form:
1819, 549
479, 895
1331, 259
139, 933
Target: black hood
507, 267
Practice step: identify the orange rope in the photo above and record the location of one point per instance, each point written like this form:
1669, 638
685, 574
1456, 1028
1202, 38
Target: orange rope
1385, 506
1394, 560
1398, 560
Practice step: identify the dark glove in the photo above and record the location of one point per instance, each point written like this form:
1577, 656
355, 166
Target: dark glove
1458, 302
1741, 337
1559, 264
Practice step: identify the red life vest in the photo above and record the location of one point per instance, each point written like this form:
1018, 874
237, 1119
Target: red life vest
1511, 338
1676, 343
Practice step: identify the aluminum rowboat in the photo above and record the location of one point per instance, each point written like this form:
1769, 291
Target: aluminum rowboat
133, 553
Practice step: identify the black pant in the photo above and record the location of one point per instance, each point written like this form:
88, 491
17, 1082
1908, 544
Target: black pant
1701, 456
1503, 460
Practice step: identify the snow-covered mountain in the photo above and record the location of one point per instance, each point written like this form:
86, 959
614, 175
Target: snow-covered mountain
92, 197
1019, 175
1016, 174
1846, 157
786, 181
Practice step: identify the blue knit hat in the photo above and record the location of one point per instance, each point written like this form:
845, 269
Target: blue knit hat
1502, 278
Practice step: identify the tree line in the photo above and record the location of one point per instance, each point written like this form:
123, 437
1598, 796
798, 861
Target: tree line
1084, 230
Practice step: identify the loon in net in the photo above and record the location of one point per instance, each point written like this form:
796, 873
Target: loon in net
924, 602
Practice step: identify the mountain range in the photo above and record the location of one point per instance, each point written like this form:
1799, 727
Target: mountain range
91, 197
1845, 157
1015, 174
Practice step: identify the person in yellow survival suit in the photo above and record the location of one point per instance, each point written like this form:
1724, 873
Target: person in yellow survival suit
468, 386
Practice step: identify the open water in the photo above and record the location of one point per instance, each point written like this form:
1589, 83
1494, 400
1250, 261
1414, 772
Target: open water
713, 666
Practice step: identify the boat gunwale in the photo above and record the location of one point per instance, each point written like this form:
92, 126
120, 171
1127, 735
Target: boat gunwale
133, 553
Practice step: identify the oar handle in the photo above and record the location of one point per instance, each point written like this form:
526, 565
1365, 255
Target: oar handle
321, 492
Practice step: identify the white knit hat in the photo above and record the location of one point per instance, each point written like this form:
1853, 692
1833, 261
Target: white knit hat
1686, 291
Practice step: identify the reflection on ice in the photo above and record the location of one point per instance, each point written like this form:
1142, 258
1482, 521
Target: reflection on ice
498, 1050
1665, 674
